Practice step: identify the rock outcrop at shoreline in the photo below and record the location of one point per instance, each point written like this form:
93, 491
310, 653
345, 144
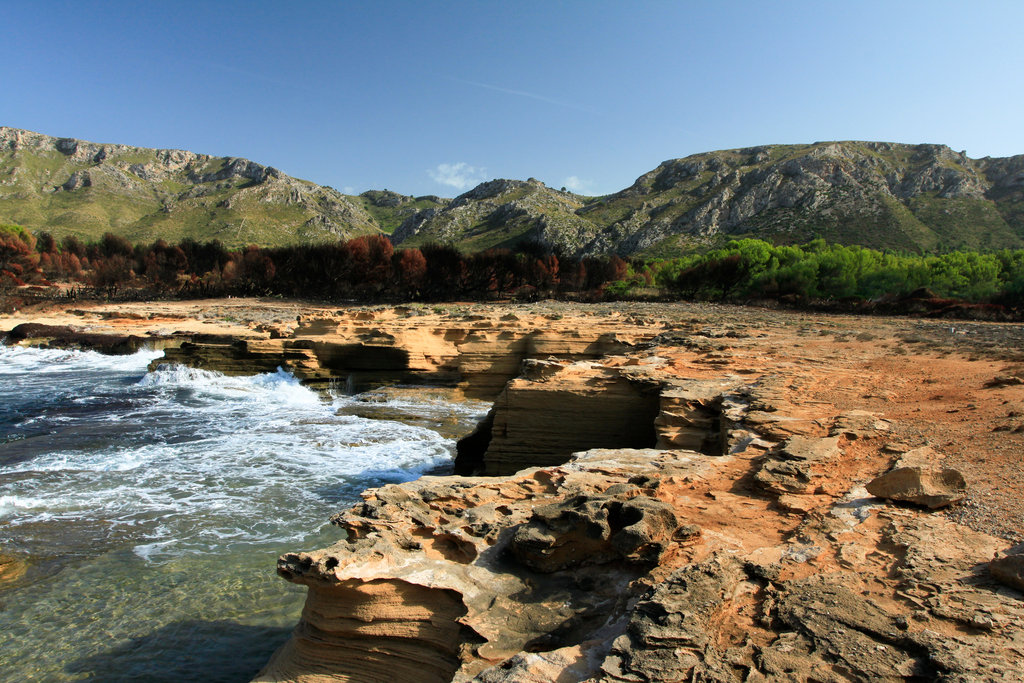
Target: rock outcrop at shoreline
743, 548
633, 565
675, 493
478, 353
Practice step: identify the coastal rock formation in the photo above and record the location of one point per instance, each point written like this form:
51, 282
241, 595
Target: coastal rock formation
744, 546
541, 576
557, 408
526, 576
479, 353
66, 337
754, 553
596, 529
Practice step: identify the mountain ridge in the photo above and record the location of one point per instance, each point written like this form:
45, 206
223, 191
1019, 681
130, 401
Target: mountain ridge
911, 197
71, 186
876, 194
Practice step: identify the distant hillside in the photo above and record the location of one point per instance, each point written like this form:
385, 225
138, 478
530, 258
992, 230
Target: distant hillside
502, 213
390, 209
876, 194
919, 198
68, 186
881, 195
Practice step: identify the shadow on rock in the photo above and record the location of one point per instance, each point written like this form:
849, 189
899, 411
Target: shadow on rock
222, 651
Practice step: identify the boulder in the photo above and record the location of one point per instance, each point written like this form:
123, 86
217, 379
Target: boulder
1009, 570
1004, 381
931, 487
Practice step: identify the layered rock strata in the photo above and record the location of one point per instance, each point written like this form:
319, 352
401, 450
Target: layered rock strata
363, 349
635, 565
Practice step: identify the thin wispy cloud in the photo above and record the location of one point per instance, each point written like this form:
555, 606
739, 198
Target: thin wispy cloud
459, 175
524, 93
578, 185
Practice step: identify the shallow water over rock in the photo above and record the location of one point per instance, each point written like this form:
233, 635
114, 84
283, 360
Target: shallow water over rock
145, 511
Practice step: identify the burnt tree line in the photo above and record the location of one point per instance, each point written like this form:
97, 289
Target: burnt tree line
363, 268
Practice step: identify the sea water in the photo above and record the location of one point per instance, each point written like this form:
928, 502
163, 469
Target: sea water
152, 506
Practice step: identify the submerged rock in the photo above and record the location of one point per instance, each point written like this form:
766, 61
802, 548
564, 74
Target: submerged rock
11, 569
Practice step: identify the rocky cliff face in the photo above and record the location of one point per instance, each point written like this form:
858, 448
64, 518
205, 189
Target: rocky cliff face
875, 194
391, 209
869, 193
68, 186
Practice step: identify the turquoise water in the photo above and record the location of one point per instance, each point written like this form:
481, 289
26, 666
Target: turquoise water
151, 507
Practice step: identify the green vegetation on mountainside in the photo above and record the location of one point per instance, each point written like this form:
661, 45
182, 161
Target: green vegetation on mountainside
71, 187
390, 209
911, 198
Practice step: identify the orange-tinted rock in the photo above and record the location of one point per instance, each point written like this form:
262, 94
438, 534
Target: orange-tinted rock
932, 488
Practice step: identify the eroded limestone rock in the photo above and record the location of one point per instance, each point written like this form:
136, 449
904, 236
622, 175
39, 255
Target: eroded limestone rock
671, 631
793, 467
917, 478
558, 408
595, 529
469, 544
659, 564
363, 349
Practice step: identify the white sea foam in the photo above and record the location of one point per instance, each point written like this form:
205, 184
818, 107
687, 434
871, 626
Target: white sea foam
21, 359
188, 460
16, 504
279, 387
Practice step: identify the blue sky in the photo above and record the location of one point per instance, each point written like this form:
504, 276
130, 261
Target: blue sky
433, 97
